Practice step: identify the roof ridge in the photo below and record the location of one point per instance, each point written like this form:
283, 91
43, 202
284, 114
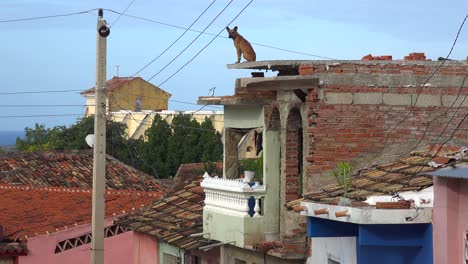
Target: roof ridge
77, 190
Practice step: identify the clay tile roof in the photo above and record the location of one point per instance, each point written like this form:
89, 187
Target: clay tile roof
405, 174
173, 218
112, 84
70, 169
32, 211
189, 171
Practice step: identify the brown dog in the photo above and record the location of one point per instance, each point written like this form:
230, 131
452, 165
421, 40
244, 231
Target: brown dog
242, 45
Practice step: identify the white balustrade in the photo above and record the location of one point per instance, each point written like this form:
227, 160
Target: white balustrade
231, 196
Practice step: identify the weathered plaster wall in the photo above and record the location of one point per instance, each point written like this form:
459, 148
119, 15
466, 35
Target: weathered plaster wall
165, 248
450, 219
229, 254
152, 98
145, 249
339, 249
123, 248
292, 225
245, 116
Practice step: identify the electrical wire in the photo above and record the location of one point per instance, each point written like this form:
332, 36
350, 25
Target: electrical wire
212, 34
442, 114
149, 115
12, 106
198, 53
120, 15
175, 41
39, 92
53, 115
411, 110
193, 41
49, 16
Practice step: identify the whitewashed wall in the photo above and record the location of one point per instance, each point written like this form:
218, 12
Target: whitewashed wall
339, 249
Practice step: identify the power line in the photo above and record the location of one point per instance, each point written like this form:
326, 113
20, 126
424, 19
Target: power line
66, 91
175, 41
190, 44
12, 106
198, 53
54, 115
49, 16
39, 92
387, 136
442, 114
212, 34
149, 116
125, 10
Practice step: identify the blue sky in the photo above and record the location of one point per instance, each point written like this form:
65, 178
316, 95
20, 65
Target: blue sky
59, 53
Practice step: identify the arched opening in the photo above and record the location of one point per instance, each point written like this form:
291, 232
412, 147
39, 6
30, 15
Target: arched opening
274, 124
293, 156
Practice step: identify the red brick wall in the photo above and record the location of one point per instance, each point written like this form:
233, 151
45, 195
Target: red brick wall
405, 68
293, 161
342, 132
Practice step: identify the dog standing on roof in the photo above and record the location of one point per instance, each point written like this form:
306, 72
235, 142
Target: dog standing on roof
242, 45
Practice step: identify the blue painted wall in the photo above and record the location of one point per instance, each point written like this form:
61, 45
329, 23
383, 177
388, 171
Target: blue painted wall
382, 244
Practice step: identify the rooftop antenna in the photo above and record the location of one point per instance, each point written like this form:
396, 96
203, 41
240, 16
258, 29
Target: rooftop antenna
117, 69
212, 90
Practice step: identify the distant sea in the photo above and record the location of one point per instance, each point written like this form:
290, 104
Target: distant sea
8, 138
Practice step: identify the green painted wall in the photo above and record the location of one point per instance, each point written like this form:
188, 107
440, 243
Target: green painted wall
171, 250
249, 230
243, 116
271, 178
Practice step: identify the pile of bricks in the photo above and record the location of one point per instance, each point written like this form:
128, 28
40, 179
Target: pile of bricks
369, 57
416, 56
419, 56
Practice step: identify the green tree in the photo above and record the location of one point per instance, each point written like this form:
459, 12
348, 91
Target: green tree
155, 150
167, 146
183, 147
37, 138
209, 144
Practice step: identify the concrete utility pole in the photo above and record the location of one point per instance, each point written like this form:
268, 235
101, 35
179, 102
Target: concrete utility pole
99, 163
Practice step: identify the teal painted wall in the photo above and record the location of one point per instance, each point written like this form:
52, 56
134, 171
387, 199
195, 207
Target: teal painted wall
171, 250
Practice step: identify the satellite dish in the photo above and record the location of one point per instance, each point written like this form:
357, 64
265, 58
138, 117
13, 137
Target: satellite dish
90, 140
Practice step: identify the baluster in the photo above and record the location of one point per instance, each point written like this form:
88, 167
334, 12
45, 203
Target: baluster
257, 207
245, 209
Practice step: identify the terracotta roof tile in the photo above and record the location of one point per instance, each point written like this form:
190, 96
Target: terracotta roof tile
189, 171
112, 84
70, 169
173, 218
388, 179
31, 211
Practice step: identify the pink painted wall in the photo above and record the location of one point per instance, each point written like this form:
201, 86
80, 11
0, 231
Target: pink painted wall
129, 247
450, 219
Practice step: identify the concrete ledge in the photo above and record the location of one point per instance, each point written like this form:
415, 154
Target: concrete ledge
448, 100
426, 100
397, 99
278, 82
338, 98
370, 215
368, 98
275, 64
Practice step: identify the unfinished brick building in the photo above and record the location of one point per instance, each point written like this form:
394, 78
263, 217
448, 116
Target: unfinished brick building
315, 114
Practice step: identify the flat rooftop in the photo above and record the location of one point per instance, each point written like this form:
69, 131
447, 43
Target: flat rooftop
278, 65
